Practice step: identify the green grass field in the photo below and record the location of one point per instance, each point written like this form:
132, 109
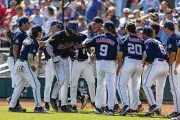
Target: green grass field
85, 114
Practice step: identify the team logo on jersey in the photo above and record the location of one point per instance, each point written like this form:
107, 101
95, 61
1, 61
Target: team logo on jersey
17, 41
169, 46
27, 42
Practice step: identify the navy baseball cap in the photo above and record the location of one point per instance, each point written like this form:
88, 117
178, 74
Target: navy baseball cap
147, 30
97, 20
57, 24
109, 25
169, 24
22, 20
73, 25
36, 28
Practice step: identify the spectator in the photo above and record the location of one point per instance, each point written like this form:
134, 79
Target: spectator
19, 13
126, 12
2, 13
146, 4
80, 8
50, 19
97, 25
82, 24
163, 9
11, 12
4, 35
111, 16
36, 17
43, 9
28, 11
93, 9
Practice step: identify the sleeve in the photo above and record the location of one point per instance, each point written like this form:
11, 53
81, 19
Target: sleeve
121, 44
148, 52
18, 39
141, 3
90, 42
172, 46
56, 38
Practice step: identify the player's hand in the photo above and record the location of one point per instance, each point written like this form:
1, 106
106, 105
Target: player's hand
20, 68
92, 58
42, 43
33, 68
176, 71
118, 70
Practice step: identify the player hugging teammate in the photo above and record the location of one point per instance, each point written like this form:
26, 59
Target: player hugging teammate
141, 59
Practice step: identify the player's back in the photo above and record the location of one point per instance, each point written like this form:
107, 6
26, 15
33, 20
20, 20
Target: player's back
106, 47
132, 46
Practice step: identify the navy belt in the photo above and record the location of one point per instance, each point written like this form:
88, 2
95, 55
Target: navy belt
79, 60
159, 59
21, 60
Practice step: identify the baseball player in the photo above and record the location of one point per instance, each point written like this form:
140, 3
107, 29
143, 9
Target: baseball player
173, 78
131, 48
25, 70
158, 71
106, 51
49, 73
18, 37
81, 67
59, 47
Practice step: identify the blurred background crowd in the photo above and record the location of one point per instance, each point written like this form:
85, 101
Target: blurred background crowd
43, 12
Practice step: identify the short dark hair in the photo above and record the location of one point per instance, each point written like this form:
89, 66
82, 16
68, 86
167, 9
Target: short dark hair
131, 27
151, 10
155, 27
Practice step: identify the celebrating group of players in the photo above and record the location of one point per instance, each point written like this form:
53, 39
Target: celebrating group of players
120, 62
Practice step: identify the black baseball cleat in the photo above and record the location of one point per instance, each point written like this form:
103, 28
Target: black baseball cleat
64, 108
73, 109
40, 110
153, 109
17, 109
84, 101
93, 104
54, 104
98, 111
47, 106
173, 114
59, 104
158, 112
124, 111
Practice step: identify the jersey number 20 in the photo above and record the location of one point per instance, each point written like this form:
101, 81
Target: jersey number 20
103, 50
134, 49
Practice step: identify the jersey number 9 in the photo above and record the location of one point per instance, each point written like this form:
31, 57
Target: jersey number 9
103, 50
134, 49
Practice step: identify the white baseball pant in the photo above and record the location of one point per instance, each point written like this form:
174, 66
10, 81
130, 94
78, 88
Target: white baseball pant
106, 70
131, 69
62, 72
11, 65
158, 72
81, 68
22, 78
174, 81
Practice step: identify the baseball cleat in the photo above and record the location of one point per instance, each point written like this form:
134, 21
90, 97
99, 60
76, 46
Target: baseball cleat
64, 108
110, 112
47, 106
173, 114
74, 109
8, 100
54, 104
152, 109
40, 110
125, 109
176, 116
84, 101
17, 109
98, 111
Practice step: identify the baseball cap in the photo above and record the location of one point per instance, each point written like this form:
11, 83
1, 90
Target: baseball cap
169, 24
97, 20
73, 25
57, 24
27, 2
22, 20
36, 28
126, 10
109, 25
147, 30
36, 6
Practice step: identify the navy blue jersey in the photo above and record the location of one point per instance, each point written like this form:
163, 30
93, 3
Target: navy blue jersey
11, 35
131, 46
158, 38
80, 53
105, 46
19, 36
45, 38
30, 46
154, 49
63, 43
172, 43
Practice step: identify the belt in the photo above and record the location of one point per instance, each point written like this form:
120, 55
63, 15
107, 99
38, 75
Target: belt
159, 59
133, 58
79, 60
21, 60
